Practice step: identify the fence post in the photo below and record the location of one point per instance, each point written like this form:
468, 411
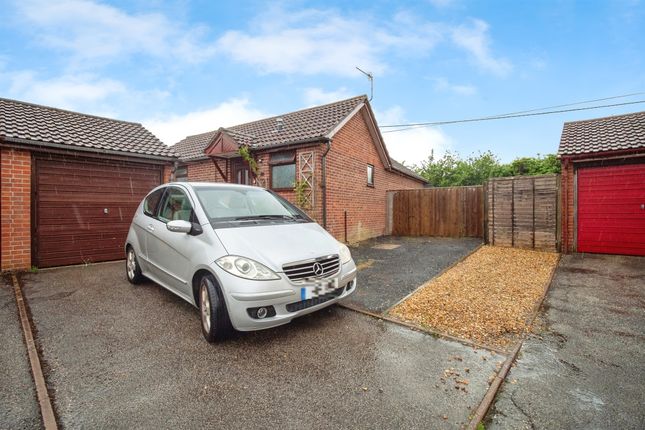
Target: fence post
389, 212
493, 213
533, 208
513, 212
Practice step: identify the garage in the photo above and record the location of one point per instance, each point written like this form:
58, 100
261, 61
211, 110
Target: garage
603, 185
83, 207
611, 209
70, 184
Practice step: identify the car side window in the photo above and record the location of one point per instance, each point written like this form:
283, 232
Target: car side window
176, 206
151, 203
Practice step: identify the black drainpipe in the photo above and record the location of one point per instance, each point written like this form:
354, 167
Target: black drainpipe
324, 183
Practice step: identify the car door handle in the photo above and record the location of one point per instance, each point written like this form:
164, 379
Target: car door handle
150, 228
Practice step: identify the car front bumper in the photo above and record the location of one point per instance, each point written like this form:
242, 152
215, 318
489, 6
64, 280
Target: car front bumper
284, 295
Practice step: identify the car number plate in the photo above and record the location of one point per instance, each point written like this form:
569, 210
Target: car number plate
319, 288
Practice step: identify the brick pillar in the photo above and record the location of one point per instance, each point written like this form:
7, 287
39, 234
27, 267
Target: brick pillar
167, 172
15, 214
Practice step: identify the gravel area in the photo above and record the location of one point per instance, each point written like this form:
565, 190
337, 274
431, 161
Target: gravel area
392, 267
487, 298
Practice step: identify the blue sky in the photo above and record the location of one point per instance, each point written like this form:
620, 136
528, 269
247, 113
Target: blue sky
186, 67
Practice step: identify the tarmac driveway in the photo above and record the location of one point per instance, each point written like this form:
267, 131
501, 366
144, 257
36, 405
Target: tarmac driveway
392, 267
585, 368
130, 357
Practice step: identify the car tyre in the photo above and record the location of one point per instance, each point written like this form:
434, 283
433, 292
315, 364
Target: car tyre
215, 322
132, 268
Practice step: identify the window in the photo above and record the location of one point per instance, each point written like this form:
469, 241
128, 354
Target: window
181, 174
151, 202
176, 206
283, 170
231, 206
370, 175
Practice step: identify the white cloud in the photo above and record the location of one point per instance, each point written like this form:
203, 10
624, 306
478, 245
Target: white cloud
316, 41
67, 91
92, 30
318, 96
475, 39
443, 85
414, 145
171, 129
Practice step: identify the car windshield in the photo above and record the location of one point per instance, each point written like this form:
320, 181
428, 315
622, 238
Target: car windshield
231, 206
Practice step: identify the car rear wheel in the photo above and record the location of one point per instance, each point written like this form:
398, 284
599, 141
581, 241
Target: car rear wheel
132, 269
216, 325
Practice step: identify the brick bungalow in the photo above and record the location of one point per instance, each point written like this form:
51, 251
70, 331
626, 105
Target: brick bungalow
70, 184
334, 151
603, 185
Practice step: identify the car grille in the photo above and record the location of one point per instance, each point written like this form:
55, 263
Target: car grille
302, 270
304, 304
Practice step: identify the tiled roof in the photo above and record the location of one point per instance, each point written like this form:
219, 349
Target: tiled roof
192, 147
32, 124
403, 169
614, 133
303, 125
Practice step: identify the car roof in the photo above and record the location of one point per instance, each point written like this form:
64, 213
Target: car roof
214, 185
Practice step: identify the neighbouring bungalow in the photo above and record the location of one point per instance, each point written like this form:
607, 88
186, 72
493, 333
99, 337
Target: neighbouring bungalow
331, 160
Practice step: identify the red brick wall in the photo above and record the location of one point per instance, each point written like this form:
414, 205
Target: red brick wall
567, 205
167, 172
205, 171
15, 209
352, 149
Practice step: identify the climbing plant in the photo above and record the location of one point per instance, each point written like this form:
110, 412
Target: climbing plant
301, 188
246, 155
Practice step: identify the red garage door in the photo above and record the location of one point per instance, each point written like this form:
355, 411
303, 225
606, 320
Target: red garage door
83, 208
611, 209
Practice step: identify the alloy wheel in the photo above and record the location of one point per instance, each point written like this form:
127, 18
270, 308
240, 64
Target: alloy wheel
205, 305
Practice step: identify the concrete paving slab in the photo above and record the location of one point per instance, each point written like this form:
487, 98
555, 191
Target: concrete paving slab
586, 368
123, 356
388, 273
18, 401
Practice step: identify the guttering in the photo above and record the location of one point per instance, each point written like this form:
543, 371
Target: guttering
35, 145
324, 183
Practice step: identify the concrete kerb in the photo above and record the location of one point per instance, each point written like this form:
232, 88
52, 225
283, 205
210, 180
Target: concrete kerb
44, 401
489, 397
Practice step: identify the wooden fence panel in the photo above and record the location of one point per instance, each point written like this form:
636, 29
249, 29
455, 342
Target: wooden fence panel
523, 212
445, 212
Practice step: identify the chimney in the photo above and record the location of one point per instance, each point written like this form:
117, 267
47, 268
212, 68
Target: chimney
279, 122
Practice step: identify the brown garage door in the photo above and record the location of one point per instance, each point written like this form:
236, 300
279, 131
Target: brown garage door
83, 208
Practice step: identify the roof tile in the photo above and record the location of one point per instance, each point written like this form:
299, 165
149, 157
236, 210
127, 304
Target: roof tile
614, 133
298, 126
41, 124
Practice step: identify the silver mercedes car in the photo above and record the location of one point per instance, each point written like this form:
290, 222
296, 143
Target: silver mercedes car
246, 257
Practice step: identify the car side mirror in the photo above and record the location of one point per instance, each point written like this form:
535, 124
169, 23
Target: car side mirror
179, 226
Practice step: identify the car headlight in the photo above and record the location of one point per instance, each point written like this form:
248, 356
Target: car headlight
345, 254
246, 268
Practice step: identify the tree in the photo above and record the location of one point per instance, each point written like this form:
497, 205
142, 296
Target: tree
451, 170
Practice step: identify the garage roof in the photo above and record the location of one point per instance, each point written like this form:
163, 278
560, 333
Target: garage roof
613, 133
31, 124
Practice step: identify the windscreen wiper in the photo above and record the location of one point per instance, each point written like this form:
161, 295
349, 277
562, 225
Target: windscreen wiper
252, 217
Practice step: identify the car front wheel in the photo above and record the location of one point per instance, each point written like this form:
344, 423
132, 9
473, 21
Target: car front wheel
212, 309
132, 269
